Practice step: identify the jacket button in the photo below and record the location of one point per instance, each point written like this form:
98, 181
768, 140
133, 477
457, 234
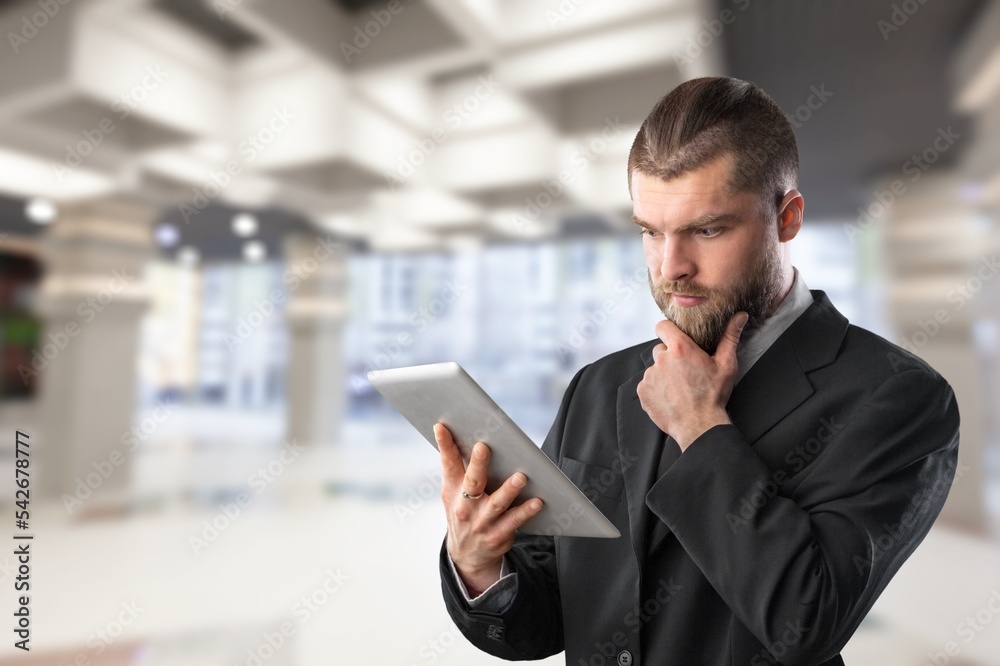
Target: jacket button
624, 658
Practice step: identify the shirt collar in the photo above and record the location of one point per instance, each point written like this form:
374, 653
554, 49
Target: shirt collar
752, 347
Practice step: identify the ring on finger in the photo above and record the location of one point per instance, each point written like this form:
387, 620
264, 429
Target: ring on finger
468, 496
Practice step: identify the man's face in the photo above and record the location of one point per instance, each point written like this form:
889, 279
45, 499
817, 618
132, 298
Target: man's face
708, 251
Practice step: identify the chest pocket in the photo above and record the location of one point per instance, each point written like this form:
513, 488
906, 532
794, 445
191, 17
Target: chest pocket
594, 480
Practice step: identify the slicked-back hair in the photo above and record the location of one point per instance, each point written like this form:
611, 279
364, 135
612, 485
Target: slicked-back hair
705, 118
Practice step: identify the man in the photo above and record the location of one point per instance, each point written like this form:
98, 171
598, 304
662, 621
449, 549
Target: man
770, 465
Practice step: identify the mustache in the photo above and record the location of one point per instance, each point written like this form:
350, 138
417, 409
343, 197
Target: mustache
681, 288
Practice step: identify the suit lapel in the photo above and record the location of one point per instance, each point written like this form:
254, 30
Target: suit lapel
775, 385
639, 444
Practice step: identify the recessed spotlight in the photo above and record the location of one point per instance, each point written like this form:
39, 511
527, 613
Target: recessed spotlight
254, 251
166, 235
188, 256
40, 211
244, 225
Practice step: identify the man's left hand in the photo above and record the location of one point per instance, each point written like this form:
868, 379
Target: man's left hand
685, 391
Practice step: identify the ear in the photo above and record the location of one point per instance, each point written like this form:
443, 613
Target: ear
790, 215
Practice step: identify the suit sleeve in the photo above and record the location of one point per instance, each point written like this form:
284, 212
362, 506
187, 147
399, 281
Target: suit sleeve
531, 627
801, 571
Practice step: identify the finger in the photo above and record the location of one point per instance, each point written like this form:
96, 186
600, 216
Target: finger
659, 349
501, 498
663, 330
475, 474
670, 334
726, 350
518, 516
452, 467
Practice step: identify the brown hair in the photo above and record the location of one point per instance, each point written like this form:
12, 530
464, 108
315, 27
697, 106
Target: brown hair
705, 118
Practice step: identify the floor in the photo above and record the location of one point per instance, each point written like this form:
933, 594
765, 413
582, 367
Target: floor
332, 559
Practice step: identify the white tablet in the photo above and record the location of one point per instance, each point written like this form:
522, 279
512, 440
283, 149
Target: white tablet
427, 394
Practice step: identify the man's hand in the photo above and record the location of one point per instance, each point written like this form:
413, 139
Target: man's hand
685, 391
480, 528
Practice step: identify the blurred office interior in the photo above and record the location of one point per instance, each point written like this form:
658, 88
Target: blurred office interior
216, 216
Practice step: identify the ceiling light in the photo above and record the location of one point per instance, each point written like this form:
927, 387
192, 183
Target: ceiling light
166, 235
188, 256
254, 251
244, 225
40, 211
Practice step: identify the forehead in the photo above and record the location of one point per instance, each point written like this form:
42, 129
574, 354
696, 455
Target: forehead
702, 190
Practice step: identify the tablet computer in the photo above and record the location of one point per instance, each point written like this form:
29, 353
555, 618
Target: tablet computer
427, 394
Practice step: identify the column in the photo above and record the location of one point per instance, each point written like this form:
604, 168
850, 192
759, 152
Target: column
317, 279
91, 300
934, 244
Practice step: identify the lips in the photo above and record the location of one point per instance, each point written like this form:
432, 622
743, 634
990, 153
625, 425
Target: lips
686, 301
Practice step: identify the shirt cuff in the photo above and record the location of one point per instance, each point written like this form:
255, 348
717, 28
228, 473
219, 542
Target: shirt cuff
497, 597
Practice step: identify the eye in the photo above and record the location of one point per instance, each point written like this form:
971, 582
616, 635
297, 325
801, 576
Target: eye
649, 233
708, 232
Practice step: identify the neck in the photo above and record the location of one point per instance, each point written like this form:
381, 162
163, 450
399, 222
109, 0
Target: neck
787, 280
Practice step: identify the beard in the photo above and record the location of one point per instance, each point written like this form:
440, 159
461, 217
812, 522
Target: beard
706, 322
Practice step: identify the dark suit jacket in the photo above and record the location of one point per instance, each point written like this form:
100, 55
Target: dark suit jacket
767, 541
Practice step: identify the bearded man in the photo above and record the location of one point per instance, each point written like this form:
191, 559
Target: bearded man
769, 465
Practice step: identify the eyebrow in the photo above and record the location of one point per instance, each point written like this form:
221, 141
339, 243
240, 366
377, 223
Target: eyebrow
697, 223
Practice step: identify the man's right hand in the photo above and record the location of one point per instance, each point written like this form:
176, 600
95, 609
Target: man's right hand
480, 530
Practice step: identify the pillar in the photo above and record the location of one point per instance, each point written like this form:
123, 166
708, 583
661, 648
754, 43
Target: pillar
90, 300
317, 270
933, 247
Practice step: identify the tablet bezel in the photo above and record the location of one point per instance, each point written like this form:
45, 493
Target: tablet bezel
427, 394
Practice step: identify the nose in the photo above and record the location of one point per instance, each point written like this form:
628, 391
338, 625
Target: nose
676, 262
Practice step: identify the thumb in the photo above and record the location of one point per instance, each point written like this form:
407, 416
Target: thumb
727, 345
